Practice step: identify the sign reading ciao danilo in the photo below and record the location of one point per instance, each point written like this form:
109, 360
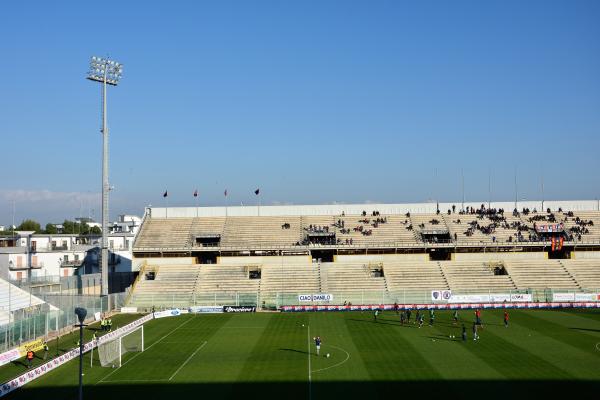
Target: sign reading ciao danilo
315, 297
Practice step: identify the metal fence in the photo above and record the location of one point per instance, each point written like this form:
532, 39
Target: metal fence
274, 300
54, 317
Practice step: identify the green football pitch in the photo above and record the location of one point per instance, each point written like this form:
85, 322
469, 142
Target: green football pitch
542, 354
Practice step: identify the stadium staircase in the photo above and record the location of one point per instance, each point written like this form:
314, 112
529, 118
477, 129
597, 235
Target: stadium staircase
540, 274
585, 272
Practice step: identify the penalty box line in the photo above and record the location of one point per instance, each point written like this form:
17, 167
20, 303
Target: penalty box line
188, 359
149, 347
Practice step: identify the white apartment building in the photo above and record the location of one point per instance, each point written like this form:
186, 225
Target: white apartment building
30, 255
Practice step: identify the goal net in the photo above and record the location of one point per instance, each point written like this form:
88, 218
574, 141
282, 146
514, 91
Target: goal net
111, 353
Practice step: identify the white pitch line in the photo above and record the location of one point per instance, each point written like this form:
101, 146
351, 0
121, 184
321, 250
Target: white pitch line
338, 364
148, 348
309, 369
139, 380
186, 361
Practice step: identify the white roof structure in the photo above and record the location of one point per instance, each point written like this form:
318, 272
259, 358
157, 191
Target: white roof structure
13, 298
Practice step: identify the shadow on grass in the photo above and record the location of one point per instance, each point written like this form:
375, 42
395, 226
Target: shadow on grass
295, 351
323, 390
585, 329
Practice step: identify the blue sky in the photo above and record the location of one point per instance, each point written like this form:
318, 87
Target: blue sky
312, 101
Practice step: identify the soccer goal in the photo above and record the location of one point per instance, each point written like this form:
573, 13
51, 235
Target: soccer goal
111, 353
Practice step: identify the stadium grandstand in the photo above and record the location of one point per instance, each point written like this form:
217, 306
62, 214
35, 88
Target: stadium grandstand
364, 253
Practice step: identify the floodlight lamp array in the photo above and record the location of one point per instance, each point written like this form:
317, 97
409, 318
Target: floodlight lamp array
105, 70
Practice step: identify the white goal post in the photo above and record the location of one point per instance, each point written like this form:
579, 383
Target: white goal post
111, 352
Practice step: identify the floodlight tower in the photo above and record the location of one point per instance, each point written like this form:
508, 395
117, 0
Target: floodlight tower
107, 72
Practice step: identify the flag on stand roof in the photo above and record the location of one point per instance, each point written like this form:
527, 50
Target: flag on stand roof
196, 193
257, 191
165, 194
225, 192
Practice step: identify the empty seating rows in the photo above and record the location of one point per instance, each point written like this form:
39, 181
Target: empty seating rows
475, 275
349, 277
226, 278
352, 281
585, 272
258, 231
302, 278
164, 233
405, 275
540, 274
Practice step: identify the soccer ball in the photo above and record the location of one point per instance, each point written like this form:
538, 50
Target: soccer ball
327, 355
303, 325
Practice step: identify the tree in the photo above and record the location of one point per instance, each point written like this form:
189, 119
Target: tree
51, 229
69, 227
96, 230
29, 225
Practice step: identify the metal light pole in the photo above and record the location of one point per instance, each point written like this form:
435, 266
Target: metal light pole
81, 313
107, 72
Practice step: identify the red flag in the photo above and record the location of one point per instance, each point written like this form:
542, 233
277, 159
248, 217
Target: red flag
165, 194
196, 193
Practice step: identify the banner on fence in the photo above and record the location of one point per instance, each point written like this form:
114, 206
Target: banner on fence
449, 306
34, 345
167, 313
315, 297
206, 309
239, 309
129, 310
470, 298
563, 296
521, 297
441, 295
10, 355
587, 297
